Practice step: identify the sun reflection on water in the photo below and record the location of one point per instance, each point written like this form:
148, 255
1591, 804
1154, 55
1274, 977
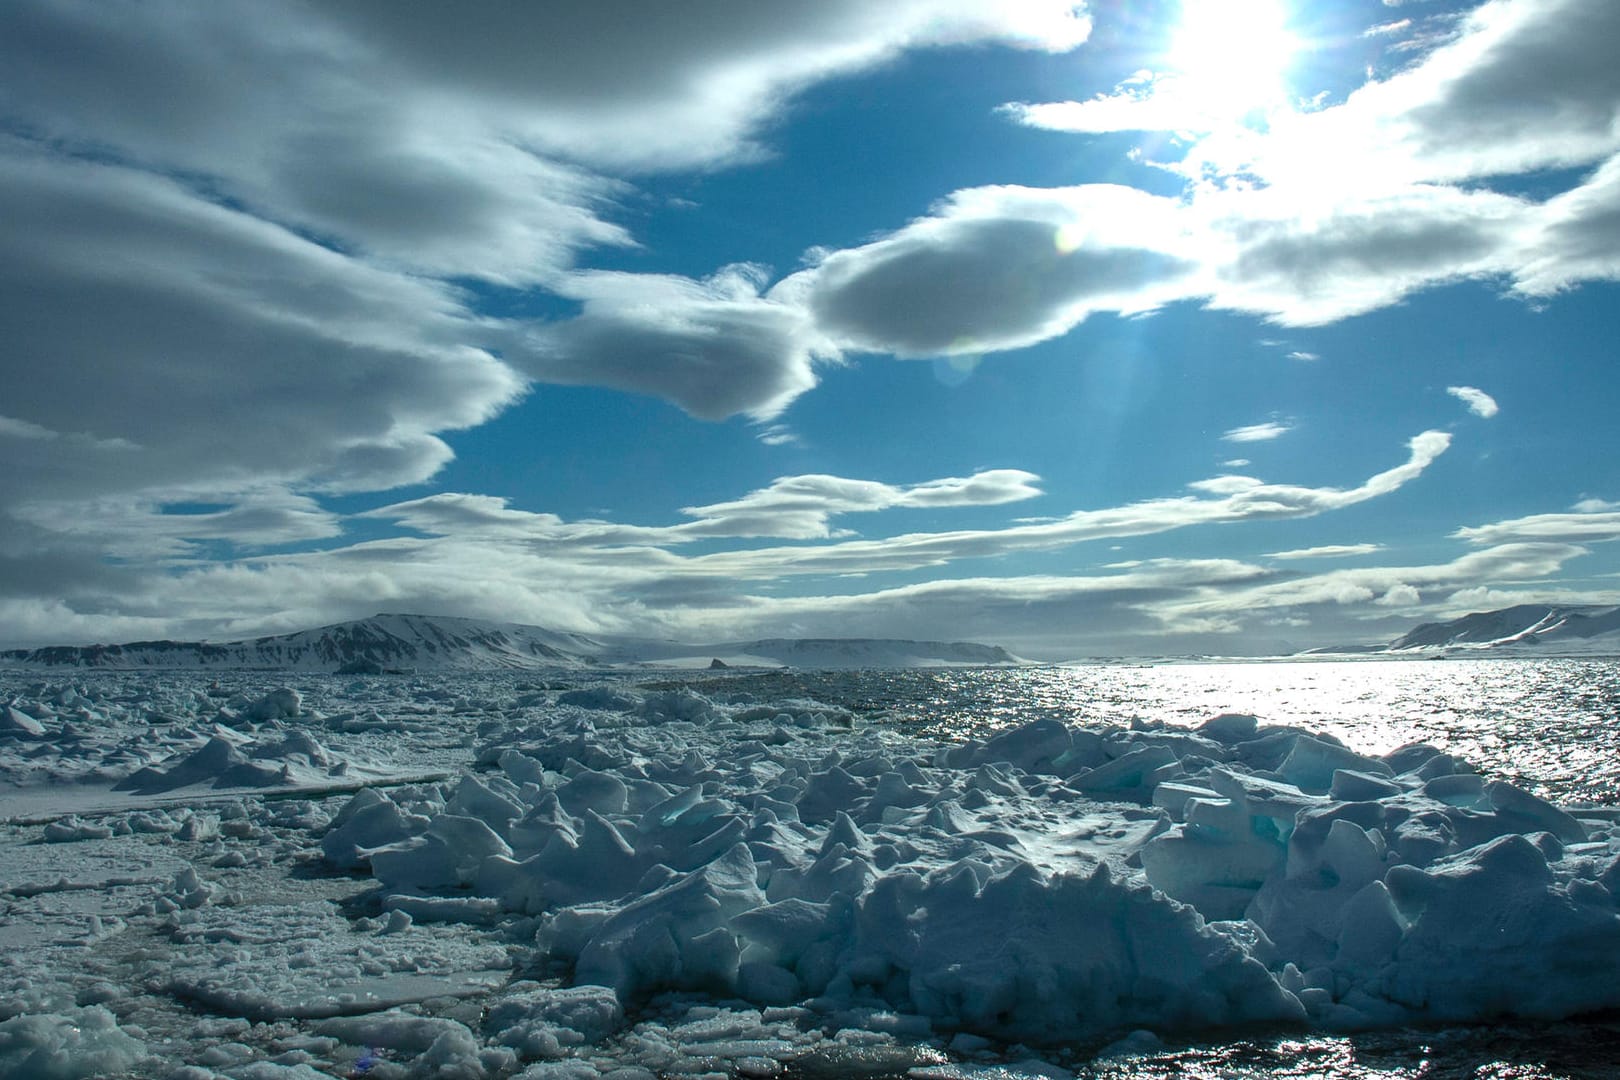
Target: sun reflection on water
1552, 726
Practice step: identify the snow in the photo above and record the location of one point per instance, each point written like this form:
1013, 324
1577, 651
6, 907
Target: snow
633, 875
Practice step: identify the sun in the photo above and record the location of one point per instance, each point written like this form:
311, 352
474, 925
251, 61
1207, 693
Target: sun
1232, 56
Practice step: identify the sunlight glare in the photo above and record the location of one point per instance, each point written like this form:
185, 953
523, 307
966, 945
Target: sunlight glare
1233, 55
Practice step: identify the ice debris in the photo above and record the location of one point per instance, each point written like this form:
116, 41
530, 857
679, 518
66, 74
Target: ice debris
1050, 883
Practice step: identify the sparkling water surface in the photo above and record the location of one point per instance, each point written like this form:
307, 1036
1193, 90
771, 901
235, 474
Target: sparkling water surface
1551, 726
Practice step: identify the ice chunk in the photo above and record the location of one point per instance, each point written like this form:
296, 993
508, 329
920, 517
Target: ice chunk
1493, 932
1370, 928
276, 705
67, 1046
369, 820
1229, 727
1524, 812
544, 1022
1128, 775
1310, 765
677, 937
19, 725
1173, 795
449, 854
1032, 958
1033, 747
437, 1046
1217, 873
1351, 785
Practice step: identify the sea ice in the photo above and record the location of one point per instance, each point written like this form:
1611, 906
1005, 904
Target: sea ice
624, 877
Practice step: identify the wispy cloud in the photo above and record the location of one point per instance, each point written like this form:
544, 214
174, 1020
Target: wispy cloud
1478, 401
1592, 526
1271, 429
479, 555
1327, 551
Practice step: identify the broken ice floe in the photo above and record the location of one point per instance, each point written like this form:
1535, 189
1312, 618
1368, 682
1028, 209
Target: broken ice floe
1051, 883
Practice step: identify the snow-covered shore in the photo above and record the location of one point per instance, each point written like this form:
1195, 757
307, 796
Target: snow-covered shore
634, 875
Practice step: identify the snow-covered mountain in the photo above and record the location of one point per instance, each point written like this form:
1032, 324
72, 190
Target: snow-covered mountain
442, 643
1579, 628
382, 642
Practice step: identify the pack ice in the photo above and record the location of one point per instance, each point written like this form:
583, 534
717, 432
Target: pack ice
630, 877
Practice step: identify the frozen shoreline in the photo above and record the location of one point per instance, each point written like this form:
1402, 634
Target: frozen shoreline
813, 884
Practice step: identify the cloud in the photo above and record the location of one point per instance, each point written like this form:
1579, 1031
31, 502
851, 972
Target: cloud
997, 268
1478, 401
1516, 86
1577, 237
1327, 551
245, 231
791, 507
1319, 214
714, 347
1271, 429
1578, 527
126, 528
480, 556
456, 141
1304, 357
164, 347
1365, 585
1253, 502
1304, 257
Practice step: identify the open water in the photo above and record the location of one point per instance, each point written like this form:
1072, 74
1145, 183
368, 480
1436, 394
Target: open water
1552, 726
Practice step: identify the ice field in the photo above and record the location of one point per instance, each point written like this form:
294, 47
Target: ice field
261, 875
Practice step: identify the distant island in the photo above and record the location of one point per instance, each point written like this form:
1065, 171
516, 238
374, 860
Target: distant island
1521, 630
394, 643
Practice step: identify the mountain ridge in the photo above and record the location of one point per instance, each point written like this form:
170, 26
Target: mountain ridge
405, 642
1522, 625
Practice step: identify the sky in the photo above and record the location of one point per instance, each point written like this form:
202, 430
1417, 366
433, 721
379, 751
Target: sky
1120, 328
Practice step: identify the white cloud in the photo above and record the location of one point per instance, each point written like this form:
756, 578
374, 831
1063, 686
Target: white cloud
1301, 256
714, 347
162, 347
1327, 551
1478, 401
126, 528
446, 138
1577, 237
1579, 527
1226, 485
1401, 595
1324, 213
1304, 357
482, 557
791, 507
266, 210
1000, 267
1271, 429
779, 435
1505, 562
923, 550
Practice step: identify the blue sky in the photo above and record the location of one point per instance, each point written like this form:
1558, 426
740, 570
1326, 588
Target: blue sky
1121, 328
